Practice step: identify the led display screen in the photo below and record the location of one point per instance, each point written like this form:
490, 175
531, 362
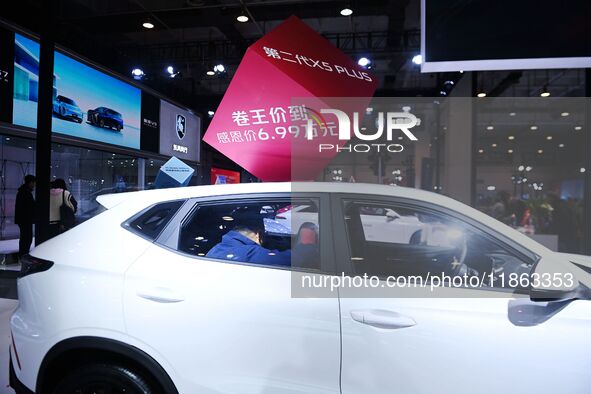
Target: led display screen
87, 103
180, 132
503, 35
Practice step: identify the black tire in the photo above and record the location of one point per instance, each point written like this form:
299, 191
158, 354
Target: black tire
101, 123
103, 378
62, 112
118, 127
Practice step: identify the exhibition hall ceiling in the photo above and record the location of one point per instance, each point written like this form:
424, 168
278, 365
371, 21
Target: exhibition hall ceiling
193, 36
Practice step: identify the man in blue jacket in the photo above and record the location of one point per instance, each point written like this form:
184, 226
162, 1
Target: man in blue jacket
244, 244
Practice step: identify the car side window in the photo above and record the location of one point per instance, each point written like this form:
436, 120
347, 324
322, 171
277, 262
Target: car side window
152, 221
394, 239
273, 232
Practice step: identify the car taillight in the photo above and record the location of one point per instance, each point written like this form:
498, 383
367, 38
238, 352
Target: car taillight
31, 265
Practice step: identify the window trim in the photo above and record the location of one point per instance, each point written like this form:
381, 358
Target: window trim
127, 223
344, 263
169, 238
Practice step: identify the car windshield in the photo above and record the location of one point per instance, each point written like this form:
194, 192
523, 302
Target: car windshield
67, 100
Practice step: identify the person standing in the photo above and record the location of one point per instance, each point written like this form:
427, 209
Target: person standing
60, 201
24, 214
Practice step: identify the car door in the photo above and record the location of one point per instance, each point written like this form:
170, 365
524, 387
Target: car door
226, 326
460, 340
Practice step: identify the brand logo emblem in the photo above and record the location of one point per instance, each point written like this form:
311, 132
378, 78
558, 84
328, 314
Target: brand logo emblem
181, 124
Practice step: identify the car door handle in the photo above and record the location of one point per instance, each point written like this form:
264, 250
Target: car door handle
159, 294
382, 318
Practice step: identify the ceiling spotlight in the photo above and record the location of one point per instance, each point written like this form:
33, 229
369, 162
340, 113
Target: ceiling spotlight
242, 17
494, 145
148, 25
528, 168
442, 93
512, 114
346, 11
210, 113
561, 145
491, 127
417, 59
219, 68
210, 72
578, 128
509, 150
549, 138
534, 128
170, 70
582, 169
540, 151
545, 92
481, 94
521, 168
564, 114
137, 73
480, 150
363, 62
511, 137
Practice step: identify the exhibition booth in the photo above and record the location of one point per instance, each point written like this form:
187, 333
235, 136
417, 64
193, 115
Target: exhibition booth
110, 134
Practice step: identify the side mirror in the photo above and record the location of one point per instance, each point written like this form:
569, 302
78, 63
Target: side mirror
552, 279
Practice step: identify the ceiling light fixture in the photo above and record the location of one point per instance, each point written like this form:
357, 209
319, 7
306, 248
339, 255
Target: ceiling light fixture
219, 68
417, 59
511, 137
545, 92
346, 11
148, 25
363, 62
242, 18
534, 128
564, 114
481, 94
491, 127
578, 128
137, 73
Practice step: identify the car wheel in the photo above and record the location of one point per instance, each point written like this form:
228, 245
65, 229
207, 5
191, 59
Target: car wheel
62, 111
102, 378
102, 123
118, 127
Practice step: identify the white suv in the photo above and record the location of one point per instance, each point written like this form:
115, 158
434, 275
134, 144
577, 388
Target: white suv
167, 291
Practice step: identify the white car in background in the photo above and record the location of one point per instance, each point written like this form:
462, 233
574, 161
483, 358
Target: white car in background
129, 301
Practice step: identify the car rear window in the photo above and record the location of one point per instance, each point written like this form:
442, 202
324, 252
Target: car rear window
152, 221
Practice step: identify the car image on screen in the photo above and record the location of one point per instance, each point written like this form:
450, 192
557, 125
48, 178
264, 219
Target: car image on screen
105, 117
66, 108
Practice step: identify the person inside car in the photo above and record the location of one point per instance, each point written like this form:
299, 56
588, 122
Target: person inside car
243, 243
306, 252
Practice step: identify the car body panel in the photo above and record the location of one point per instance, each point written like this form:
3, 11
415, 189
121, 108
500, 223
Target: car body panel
234, 328
67, 108
109, 118
254, 336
